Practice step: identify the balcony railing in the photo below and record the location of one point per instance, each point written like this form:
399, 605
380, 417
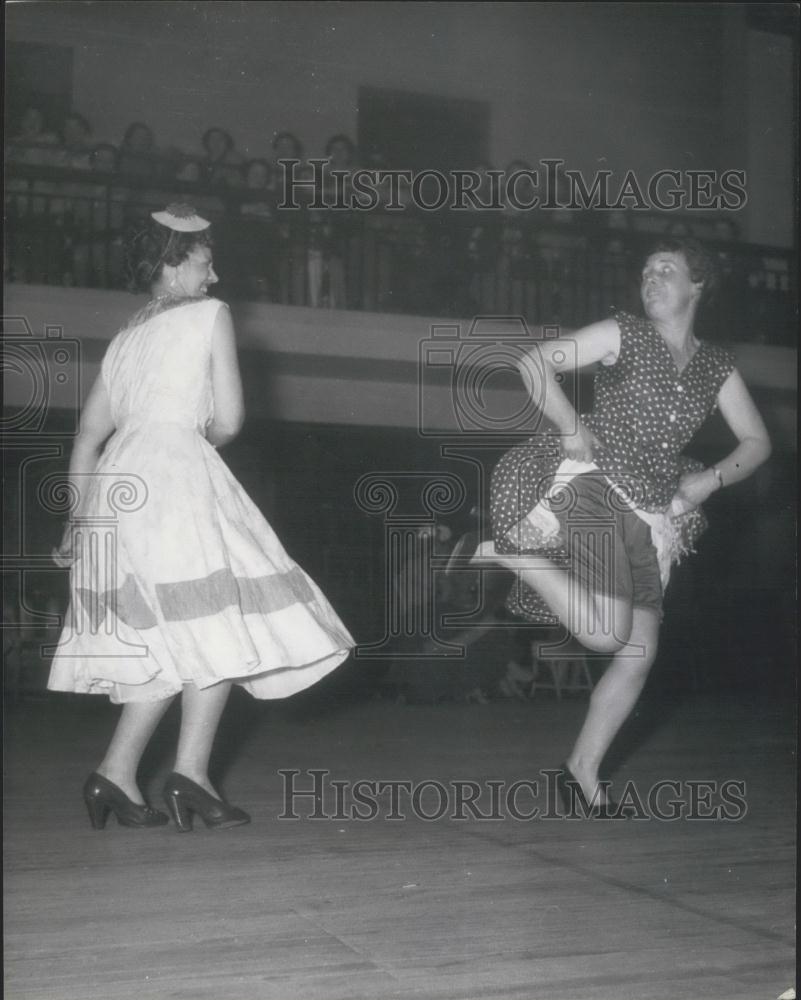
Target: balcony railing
67, 227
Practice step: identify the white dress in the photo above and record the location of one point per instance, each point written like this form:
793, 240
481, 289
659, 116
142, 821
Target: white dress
178, 577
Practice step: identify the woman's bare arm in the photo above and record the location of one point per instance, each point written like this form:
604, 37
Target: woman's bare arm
94, 428
226, 382
549, 360
740, 413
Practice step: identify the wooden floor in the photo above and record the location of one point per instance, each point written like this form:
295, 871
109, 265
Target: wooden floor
345, 910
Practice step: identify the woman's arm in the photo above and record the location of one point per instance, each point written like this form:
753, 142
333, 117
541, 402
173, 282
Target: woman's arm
94, 428
738, 410
542, 369
226, 382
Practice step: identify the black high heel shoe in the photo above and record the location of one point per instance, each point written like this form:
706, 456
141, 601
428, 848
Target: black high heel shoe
103, 796
185, 798
572, 795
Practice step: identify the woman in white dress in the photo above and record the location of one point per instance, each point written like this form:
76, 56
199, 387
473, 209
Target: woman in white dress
178, 583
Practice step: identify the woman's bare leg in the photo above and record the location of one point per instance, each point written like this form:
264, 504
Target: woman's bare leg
201, 709
135, 727
613, 699
600, 622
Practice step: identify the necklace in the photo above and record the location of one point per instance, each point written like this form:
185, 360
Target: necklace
164, 297
158, 304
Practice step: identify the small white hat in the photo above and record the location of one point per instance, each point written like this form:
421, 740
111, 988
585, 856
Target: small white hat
182, 218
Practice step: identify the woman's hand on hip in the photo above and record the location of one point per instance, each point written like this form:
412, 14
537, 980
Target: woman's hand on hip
581, 445
695, 488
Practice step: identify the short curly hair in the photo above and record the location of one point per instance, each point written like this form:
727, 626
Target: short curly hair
702, 265
227, 138
297, 144
149, 248
136, 127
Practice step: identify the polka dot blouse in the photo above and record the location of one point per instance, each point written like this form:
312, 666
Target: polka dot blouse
646, 411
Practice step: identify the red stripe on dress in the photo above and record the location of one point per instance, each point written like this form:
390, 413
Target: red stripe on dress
185, 600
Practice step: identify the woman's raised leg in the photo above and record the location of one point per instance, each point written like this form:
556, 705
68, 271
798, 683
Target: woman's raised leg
601, 622
593, 599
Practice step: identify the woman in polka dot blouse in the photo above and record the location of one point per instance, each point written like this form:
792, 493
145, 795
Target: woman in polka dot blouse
590, 518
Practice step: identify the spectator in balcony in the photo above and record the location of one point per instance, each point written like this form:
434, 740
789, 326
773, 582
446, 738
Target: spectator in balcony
76, 208
34, 143
76, 141
292, 226
222, 164
287, 146
98, 221
103, 159
332, 229
137, 157
105, 264
259, 194
341, 152
341, 155
190, 171
32, 130
255, 243
39, 247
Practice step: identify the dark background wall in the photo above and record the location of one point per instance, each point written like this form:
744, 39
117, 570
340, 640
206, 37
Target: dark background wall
618, 86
